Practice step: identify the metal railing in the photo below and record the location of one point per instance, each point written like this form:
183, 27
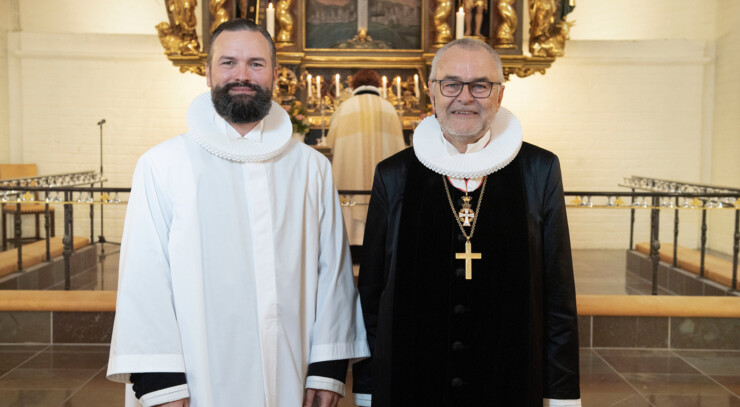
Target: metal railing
677, 199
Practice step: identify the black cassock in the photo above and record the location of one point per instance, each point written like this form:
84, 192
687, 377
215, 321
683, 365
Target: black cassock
508, 336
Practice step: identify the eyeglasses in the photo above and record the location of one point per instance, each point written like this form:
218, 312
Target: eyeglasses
479, 89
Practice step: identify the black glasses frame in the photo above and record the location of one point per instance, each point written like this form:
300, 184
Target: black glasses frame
490, 90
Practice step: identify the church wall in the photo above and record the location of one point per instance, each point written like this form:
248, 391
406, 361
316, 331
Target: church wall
618, 104
641, 20
5, 26
726, 143
612, 109
71, 81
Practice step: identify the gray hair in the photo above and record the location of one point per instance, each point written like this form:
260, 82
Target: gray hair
470, 44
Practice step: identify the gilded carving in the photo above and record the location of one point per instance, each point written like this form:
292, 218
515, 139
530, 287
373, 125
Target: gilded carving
508, 25
443, 31
285, 20
178, 37
218, 13
547, 34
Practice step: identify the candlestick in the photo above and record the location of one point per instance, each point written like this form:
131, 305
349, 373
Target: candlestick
398, 88
416, 86
308, 81
270, 20
336, 84
460, 23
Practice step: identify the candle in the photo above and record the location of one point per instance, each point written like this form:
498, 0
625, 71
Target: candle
270, 20
336, 83
308, 81
318, 87
398, 88
361, 15
416, 86
384, 89
460, 23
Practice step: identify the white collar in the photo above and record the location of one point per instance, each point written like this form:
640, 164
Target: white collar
232, 134
267, 140
471, 148
505, 142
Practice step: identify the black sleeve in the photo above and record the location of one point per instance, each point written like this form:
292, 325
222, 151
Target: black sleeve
333, 369
371, 281
145, 383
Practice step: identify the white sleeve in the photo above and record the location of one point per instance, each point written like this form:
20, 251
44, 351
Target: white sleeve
363, 400
561, 403
325, 383
338, 331
167, 395
146, 337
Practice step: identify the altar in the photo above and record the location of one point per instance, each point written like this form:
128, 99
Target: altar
321, 43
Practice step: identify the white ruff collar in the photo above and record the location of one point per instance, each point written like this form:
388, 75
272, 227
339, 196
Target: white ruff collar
275, 133
506, 140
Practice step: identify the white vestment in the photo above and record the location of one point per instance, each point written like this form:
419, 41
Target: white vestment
364, 130
235, 267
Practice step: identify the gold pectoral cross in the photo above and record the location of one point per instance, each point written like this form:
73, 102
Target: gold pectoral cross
468, 256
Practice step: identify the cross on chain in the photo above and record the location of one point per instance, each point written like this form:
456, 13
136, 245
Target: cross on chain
468, 256
466, 215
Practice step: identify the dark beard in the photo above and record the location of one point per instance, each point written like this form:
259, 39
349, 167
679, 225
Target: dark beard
241, 108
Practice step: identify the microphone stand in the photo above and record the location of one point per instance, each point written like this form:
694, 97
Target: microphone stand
101, 238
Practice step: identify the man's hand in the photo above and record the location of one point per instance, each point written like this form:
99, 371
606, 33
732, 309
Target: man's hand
176, 403
326, 398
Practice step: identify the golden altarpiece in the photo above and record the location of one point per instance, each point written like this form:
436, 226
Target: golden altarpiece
321, 43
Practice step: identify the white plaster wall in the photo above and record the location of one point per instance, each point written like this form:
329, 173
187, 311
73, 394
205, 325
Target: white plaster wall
641, 19
5, 26
71, 81
726, 151
612, 109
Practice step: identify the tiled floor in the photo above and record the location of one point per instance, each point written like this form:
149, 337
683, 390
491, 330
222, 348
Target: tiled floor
74, 376
66, 376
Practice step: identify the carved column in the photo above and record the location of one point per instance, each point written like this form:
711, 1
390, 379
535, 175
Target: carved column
507, 26
443, 33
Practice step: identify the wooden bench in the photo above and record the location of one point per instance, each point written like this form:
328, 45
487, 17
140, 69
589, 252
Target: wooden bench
715, 269
13, 171
35, 253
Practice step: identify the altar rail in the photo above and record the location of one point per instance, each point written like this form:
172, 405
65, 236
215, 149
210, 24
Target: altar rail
653, 201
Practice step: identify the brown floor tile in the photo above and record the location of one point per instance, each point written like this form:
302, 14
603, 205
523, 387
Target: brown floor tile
656, 384
645, 361
67, 360
98, 392
33, 398
693, 401
713, 362
47, 379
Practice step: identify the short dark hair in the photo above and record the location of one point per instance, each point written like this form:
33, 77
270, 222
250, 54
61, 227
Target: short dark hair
241, 24
365, 77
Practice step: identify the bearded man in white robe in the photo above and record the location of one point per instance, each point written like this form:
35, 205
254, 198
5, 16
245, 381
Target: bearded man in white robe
235, 284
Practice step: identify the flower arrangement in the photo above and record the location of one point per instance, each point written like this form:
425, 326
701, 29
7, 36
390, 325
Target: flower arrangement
298, 117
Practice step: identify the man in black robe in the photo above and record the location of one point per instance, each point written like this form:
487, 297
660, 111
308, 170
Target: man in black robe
466, 278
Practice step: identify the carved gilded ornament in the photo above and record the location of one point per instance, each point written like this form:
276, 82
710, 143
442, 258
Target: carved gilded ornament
218, 13
547, 33
441, 28
508, 26
178, 37
285, 21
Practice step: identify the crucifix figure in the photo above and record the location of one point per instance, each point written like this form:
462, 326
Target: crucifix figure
468, 256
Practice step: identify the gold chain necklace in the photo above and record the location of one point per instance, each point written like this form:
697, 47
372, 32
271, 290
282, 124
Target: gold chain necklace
468, 256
